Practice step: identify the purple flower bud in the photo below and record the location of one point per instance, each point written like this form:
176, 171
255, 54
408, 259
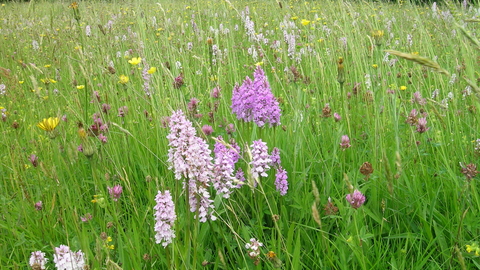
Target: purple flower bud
39, 205
345, 143
207, 130
34, 160
337, 117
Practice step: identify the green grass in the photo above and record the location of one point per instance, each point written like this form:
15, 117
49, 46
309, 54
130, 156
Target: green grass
420, 212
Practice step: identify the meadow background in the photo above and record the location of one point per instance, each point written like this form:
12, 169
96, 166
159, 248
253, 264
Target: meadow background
327, 68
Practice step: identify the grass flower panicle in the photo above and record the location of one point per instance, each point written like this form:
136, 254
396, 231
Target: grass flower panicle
164, 218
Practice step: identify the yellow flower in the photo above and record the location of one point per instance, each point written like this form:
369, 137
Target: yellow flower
20, 82
48, 80
152, 70
80, 87
403, 88
135, 61
49, 124
377, 33
294, 18
109, 239
469, 248
111, 247
375, 66
305, 22
74, 5
123, 79
259, 64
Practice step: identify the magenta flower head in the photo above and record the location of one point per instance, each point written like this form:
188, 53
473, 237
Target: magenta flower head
216, 92
281, 182
337, 117
356, 199
345, 142
207, 130
115, 192
164, 218
254, 101
34, 160
39, 205
422, 125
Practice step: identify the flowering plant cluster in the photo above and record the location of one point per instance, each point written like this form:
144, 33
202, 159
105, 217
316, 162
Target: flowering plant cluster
254, 101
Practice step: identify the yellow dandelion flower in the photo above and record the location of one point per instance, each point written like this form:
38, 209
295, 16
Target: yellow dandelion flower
80, 87
123, 79
47, 66
152, 70
305, 22
375, 66
294, 18
403, 88
135, 61
49, 124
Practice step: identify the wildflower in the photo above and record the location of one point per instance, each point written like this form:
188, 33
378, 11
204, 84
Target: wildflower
275, 157
230, 129
239, 178
470, 171
164, 218
254, 101
305, 22
254, 249
38, 205
65, 259
366, 169
192, 105
135, 61
80, 87
105, 108
473, 248
374, 66
34, 160
330, 208
207, 130
422, 125
88, 30
345, 142
326, 111
86, 218
356, 199
417, 98
190, 159
123, 79
403, 88
223, 168
151, 70
102, 138
49, 125
260, 159
178, 81
2, 89
272, 257
337, 117
38, 260
340, 71
412, 117
74, 5
281, 182
122, 111
215, 92
115, 192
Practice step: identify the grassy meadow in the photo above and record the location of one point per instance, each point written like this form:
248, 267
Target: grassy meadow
378, 135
